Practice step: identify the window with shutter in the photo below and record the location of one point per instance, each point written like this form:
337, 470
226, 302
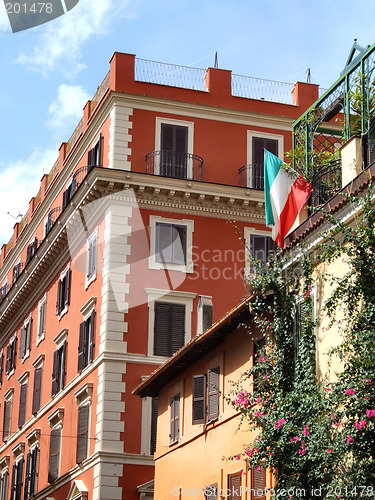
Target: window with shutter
175, 418
259, 484
11, 356
94, 154
206, 396
58, 371
18, 479
63, 292
22, 408
261, 246
86, 342
91, 258
1, 367
234, 486
173, 145
34, 472
42, 320
169, 328
37, 389
259, 144
54, 454
154, 421
25, 339
82, 432
199, 399
210, 492
31, 249
7, 418
4, 485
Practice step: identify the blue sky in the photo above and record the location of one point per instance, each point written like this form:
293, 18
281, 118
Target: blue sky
48, 73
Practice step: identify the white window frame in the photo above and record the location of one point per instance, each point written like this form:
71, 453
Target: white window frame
39, 337
190, 143
187, 268
263, 135
4, 469
172, 297
203, 300
93, 236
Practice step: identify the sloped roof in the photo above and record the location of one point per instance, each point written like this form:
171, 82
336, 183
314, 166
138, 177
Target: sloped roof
194, 350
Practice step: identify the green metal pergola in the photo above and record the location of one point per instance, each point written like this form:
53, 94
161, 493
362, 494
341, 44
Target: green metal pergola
352, 95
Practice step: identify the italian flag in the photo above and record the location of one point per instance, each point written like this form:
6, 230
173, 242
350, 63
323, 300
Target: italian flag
285, 194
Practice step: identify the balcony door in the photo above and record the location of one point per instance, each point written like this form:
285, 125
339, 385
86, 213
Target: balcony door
174, 148
256, 180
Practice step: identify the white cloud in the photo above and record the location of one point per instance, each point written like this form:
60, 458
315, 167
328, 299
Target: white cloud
60, 46
66, 110
19, 182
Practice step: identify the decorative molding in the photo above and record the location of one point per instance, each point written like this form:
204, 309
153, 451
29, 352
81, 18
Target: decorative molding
56, 418
87, 308
33, 438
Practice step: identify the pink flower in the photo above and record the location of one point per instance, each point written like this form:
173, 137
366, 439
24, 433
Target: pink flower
368, 381
327, 389
366, 398
329, 450
306, 430
259, 469
280, 423
238, 457
360, 425
349, 392
370, 413
302, 450
262, 360
258, 414
265, 377
349, 439
258, 399
295, 438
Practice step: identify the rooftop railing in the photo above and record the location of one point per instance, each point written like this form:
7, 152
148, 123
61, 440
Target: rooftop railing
264, 90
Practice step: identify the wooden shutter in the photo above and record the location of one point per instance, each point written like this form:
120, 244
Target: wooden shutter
55, 372
67, 288
27, 337
37, 389
7, 419
90, 158
90, 338
207, 308
177, 319
62, 366
23, 342
22, 409
213, 393
27, 476
161, 329
34, 471
259, 484
4, 485
235, 486
1, 367
14, 482
211, 492
98, 152
82, 346
59, 302
19, 480
7, 363
199, 399
92, 258
154, 421
13, 346
175, 418
42, 319
82, 432
66, 198
54, 455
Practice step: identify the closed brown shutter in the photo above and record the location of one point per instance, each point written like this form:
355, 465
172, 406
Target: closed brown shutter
91, 340
199, 399
37, 389
82, 346
211, 492
34, 471
19, 479
14, 482
83, 432
27, 337
7, 363
178, 327
1, 367
22, 342
234, 484
175, 418
62, 352
42, 319
22, 410
67, 288
154, 420
7, 419
54, 455
161, 329
92, 258
213, 393
55, 372
259, 484
59, 303
27, 476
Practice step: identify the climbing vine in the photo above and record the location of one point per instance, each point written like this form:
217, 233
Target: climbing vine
316, 435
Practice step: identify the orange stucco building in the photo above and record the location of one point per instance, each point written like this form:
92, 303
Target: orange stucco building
128, 251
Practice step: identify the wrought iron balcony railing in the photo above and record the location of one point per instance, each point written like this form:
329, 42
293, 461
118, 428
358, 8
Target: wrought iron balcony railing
77, 180
51, 219
3, 292
173, 164
326, 183
17, 270
252, 176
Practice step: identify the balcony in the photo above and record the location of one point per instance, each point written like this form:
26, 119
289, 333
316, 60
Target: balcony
173, 164
252, 176
17, 270
52, 218
326, 182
